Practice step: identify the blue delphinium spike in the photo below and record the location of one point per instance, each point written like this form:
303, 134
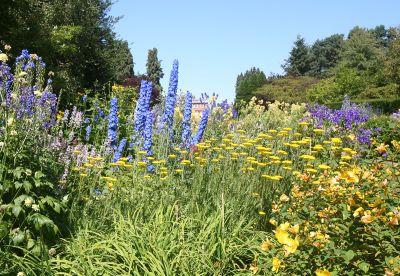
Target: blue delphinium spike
187, 115
148, 137
88, 131
202, 126
170, 101
113, 123
121, 147
142, 106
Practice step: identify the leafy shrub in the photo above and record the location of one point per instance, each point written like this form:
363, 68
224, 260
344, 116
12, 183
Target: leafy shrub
286, 89
344, 222
383, 92
31, 211
323, 92
388, 129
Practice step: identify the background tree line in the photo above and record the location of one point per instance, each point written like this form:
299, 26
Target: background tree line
364, 65
76, 40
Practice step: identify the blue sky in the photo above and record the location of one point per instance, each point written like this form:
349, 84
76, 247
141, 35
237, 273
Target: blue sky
215, 40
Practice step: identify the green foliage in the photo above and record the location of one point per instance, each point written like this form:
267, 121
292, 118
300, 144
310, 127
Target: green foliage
382, 106
65, 39
153, 67
122, 63
388, 129
383, 93
31, 210
168, 242
299, 61
384, 36
286, 89
361, 52
363, 66
392, 65
247, 84
350, 81
325, 91
75, 39
346, 225
325, 54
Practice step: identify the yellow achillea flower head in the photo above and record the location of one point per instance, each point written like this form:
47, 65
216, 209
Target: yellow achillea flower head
318, 131
318, 147
311, 170
307, 157
324, 167
336, 140
345, 157
185, 162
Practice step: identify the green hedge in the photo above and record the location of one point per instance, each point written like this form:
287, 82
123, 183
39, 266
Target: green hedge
385, 106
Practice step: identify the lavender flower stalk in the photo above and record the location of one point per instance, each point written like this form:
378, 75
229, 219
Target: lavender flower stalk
187, 115
202, 126
113, 123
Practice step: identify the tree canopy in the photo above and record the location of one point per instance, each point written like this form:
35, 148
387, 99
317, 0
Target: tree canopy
153, 67
74, 37
299, 61
247, 84
363, 65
